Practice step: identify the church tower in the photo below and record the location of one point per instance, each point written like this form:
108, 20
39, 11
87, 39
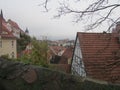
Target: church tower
27, 31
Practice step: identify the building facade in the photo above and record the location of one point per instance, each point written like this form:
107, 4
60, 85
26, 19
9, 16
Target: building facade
8, 47
7, 40
97, 56
77, 64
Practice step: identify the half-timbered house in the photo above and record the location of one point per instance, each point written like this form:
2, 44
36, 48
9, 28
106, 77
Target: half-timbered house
97, 56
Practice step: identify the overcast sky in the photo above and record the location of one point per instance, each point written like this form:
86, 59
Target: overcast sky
28, 14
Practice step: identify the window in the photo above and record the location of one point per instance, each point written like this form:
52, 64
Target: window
12, 43
12, 54
4, 32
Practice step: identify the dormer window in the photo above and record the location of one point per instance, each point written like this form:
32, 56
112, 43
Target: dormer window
12, 43
3, 32
12, 55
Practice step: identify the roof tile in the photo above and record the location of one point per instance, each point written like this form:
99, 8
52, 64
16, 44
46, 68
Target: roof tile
5, 33
99, 52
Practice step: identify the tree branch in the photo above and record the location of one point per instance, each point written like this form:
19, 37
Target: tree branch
44, 5
98, 6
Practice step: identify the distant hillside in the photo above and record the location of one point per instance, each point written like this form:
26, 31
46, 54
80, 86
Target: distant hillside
19, 76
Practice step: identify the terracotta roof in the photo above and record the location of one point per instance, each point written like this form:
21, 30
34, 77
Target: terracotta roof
56, 49
66, 55
101, 55
25, 52
5, 33
15, 25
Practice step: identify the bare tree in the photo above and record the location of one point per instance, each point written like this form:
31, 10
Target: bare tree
44, 4
97, 12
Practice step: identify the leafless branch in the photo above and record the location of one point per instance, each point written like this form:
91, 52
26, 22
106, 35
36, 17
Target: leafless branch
44, 4
102, 19
98, 6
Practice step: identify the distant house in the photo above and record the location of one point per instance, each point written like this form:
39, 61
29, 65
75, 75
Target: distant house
57, 50
66, 56
7, 40
56, 53
69, 43
60, 58
97, 55
28, 49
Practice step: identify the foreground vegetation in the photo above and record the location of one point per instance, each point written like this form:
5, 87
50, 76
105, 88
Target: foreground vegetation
37, 55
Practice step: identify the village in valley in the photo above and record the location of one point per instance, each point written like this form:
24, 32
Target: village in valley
92, 55
59, 52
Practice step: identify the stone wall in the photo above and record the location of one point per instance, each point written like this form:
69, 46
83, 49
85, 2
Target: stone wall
19, 76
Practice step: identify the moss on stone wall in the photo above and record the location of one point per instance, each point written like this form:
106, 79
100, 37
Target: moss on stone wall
18, 76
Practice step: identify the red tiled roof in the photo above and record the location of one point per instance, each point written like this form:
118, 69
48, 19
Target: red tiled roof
66, 55
14, 24
5, 33
56, 49
62, 67
101, 55
27, 52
